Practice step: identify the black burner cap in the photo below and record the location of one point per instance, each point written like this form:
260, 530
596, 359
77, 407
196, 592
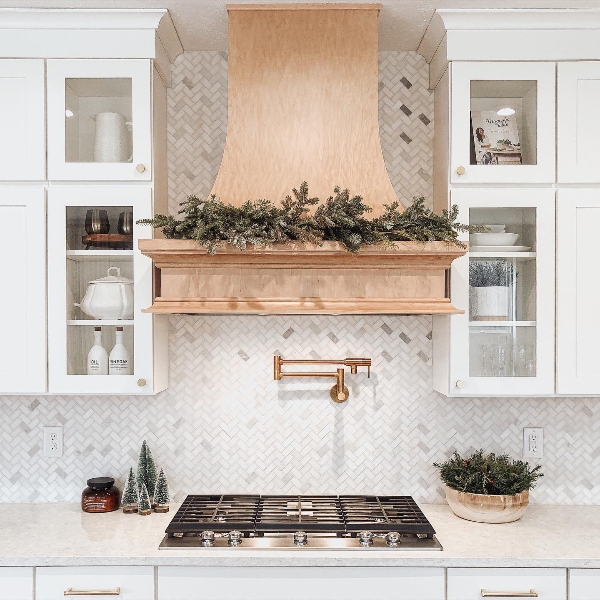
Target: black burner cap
101, 483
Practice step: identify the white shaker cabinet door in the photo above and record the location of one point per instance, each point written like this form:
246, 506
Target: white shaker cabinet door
474, 584
22, 137
16, 583
584, 584
578, 289
578, 123
23, 298
124, 583
300, 583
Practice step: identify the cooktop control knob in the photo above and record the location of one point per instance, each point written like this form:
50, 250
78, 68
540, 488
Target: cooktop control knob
208, 538
235, 538
392, 539
365, 538
300, 538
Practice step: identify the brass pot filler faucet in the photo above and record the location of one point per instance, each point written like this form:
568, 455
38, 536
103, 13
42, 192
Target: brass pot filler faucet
339, 392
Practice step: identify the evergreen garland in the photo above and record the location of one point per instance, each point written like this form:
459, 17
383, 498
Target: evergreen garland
488, 474
130, 493
144, 507
341, 218
146, 474
161, 491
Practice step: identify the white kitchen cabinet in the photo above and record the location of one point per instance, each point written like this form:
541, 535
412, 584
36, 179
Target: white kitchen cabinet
503, 347
584, 584
125, 583
23, 301
22, 121
578, 272
300, 583
526, 88
474, 584
16, 583
578, 123
100, 120
77, 257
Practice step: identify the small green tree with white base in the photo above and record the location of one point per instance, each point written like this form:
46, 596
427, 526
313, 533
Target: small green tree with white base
161, 493
131, 495
144, 507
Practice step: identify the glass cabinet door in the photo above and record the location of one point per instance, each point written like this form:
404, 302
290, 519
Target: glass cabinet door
98, 285
99, 124
506, 286
502, 122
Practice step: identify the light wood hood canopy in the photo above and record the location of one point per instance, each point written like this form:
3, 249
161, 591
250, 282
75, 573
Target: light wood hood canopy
303, 106
303, 103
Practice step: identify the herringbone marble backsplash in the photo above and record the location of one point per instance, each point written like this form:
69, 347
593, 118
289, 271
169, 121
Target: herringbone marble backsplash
225, 425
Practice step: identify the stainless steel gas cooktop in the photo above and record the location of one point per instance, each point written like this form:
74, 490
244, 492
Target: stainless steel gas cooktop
297, 522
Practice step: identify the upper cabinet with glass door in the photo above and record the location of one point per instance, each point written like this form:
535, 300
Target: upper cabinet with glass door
503, 122
99, 120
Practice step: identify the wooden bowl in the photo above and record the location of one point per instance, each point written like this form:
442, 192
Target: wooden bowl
485, 508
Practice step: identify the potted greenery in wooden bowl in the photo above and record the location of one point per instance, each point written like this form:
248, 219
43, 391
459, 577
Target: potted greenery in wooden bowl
488, 488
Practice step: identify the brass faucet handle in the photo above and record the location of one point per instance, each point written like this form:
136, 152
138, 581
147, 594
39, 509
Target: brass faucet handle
354, 363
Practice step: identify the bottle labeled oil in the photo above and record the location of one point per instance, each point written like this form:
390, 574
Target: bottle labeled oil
97, 359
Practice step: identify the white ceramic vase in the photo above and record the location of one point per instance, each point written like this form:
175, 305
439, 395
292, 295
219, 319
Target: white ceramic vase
489, 303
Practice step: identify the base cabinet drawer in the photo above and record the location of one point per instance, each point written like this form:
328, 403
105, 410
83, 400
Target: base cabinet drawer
122, 583
16, 583
300, 583
474, 584
584, 584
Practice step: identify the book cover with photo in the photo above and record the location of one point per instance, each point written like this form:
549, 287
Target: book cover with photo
495, 138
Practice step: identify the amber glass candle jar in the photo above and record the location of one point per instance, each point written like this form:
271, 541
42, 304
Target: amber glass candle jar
100, 496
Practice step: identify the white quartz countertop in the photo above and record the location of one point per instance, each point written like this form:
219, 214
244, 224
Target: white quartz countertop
60, 534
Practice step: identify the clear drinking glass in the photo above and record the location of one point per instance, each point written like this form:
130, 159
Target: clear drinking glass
524, 360
497, 360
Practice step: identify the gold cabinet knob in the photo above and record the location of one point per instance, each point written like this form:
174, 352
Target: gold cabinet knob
460, 170
460, 384
140, 168
141, 382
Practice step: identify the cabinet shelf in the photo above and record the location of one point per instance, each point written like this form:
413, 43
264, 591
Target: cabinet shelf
529, 255
102, 322
486, 324
100, 255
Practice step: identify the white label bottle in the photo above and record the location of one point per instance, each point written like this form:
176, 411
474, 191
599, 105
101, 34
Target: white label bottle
97, 360
118, 361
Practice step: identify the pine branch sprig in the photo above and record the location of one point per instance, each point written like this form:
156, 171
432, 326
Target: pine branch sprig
488, 474
341, 218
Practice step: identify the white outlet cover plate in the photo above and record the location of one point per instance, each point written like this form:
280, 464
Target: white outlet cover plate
53, 441
533, 442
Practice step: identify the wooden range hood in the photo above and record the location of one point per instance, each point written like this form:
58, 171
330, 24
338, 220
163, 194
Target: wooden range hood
303, 106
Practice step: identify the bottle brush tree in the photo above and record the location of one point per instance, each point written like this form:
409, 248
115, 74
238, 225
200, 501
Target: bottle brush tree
146, 468
144, 507
161, 493
131, 495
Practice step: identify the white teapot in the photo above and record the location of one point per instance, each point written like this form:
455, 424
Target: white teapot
109, 297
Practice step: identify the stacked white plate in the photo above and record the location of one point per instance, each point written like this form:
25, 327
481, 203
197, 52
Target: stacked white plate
496, 240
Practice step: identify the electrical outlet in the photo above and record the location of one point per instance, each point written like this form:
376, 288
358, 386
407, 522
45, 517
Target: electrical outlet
53, 441
533, 442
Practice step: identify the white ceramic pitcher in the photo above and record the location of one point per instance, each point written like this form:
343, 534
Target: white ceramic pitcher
113, 139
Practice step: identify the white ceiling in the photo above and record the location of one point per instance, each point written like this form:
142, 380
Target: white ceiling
202, 24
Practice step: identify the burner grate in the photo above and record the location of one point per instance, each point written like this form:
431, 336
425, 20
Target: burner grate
217, 513
384, 513
300, 513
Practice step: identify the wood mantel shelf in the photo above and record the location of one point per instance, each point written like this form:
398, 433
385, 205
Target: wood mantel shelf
296, 278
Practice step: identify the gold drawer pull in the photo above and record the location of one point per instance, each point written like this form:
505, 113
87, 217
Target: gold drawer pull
72, 592
529, 594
